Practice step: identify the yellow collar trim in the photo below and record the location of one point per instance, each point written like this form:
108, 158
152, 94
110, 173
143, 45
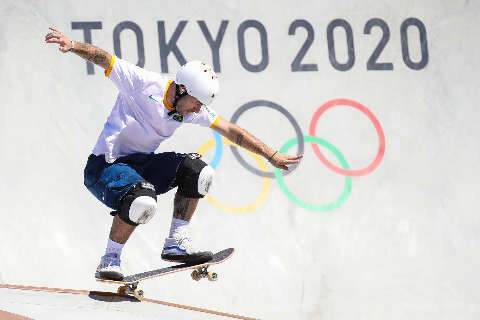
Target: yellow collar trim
168, 105
110, 66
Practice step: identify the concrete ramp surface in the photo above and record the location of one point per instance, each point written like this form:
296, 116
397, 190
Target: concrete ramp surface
21, 302
379, 221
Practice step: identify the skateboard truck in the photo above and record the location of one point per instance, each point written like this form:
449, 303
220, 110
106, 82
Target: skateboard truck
203, 272
131, 289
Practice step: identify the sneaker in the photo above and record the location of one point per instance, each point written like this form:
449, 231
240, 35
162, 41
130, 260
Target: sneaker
179, 248
109, 267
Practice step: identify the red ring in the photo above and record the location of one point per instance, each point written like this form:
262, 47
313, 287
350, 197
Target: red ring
369, 114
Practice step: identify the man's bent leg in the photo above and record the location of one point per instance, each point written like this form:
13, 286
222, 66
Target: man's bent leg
120, 231
183, 207
194, 178
183, 210
109, 266
122, 188
178, 246
138, 206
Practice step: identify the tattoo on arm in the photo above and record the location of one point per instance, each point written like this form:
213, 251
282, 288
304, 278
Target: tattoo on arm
93, 54
239, 139
244, 139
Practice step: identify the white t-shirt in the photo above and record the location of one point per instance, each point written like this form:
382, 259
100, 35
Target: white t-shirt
139, 121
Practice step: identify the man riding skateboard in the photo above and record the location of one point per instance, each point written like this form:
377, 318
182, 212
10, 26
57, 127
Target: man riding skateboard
125, 174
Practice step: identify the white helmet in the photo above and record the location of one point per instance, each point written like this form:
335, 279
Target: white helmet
200, 80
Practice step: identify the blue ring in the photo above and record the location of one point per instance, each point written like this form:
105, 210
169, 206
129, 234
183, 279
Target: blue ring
218, 150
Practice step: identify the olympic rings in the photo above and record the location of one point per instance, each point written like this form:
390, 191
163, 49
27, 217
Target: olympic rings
315, 207
378, 128
268, 104
344, 170
206, 147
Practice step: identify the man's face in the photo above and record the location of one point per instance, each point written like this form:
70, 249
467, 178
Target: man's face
188, 104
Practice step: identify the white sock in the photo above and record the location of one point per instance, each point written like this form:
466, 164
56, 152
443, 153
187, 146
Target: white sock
177, 223
114, 247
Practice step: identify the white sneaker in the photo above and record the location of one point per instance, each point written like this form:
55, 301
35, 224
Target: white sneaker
109, 267
179, 248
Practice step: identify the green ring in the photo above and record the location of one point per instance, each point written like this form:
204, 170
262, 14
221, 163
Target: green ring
315, 207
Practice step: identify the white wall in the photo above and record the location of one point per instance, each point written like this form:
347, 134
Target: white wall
403, 245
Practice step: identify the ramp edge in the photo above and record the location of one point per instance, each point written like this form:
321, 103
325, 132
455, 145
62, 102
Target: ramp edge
85, 292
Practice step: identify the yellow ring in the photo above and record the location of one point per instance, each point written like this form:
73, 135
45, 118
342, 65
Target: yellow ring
209, 145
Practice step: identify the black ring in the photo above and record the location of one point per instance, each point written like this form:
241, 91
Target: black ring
291, 119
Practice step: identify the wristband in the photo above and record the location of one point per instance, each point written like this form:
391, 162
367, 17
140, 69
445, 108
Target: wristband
271, 157
72, 43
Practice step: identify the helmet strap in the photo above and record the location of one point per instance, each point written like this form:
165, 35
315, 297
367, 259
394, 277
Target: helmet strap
178, 94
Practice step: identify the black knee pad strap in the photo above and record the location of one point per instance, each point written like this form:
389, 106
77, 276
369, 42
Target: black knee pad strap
187, 175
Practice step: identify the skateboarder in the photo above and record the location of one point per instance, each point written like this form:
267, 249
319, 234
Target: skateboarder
125, 174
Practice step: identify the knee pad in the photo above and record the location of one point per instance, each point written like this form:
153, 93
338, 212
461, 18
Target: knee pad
139, 205
194, 177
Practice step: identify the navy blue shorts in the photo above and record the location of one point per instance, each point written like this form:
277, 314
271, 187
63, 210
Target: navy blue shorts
109, 182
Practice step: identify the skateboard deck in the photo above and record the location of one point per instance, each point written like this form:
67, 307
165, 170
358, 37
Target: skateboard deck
129, 284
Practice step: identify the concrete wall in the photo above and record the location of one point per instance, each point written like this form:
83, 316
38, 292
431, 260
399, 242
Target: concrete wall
384, 227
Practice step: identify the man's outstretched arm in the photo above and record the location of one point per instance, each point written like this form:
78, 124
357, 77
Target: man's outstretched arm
244, 139
87, 51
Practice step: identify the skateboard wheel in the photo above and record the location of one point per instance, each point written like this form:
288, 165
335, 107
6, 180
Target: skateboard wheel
122, 290
212, 276
138, 294
196, 275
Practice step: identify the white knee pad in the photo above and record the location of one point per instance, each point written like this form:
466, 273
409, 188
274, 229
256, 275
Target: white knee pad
142, 209
139, 205
205, 179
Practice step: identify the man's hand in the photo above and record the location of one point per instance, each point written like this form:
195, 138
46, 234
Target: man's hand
85, 50
282, 161
55, 36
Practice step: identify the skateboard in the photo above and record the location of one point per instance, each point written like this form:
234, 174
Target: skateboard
129, 284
